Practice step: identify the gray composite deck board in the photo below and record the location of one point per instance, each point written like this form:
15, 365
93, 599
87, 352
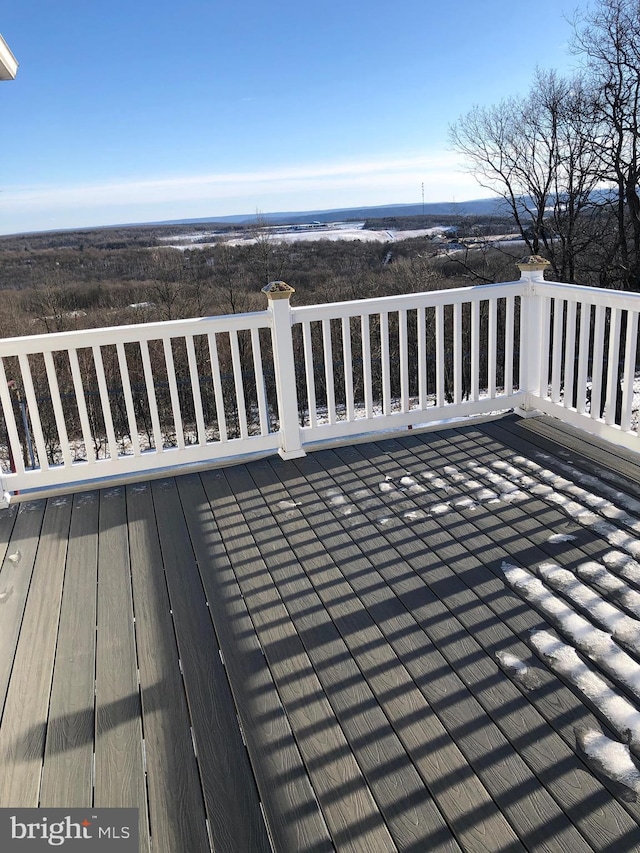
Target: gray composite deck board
24, 719
8, 518
366, 627
119, 759
15, 578
67, 774
564, 708
328, 616
291, 808
176, 808
228, 785
476, 663
355, 633
350, 811
592, 452
532, 813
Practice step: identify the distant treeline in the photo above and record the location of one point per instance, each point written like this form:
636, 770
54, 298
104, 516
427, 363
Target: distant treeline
103, 277
89, 279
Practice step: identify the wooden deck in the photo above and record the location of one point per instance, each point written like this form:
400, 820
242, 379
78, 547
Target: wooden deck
311, 646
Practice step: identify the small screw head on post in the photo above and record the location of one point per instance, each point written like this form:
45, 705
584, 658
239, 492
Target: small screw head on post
278, 290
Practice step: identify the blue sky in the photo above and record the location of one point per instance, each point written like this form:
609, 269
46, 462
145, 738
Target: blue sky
143, 111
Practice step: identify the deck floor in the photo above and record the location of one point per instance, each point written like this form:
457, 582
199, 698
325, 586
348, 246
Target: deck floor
314, 646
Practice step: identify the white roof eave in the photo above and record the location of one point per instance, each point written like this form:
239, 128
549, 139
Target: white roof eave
8, 62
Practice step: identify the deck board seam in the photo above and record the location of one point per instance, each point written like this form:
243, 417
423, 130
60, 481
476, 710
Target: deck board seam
166, 492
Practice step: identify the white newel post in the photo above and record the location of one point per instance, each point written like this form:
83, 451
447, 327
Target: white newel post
531, 333
278, 294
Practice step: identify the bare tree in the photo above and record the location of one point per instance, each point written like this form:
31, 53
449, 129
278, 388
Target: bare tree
231, 284
608, 39
269, 254
565, 158
535, 153
572, 221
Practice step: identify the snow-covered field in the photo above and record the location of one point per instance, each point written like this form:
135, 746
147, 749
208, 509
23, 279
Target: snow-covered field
295, 234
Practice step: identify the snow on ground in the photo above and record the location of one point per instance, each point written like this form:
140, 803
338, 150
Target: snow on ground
622, 715
624, 629
597, 644
611, 758
332, 231
562, 491
288, 509
624, 565
578, 484
526, 675
615, 588
594, 609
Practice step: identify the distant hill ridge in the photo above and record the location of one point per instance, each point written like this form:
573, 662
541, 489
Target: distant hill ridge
478, 207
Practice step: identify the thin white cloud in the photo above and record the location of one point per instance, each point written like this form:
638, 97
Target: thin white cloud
438, 172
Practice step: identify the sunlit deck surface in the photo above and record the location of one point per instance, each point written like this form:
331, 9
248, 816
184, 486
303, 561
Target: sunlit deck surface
314, 641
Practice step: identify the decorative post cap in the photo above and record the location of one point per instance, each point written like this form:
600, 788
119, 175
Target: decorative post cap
278, 290
533, 263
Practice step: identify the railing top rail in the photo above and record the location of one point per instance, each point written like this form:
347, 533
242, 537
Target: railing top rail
382, 304
592, 295
55, 341
80, 338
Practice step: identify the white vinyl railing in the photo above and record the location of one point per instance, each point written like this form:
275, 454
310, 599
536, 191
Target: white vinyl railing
583, 369
115, 402
108, 402
413, 359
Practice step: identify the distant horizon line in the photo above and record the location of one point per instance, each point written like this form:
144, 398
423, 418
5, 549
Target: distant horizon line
480, 206
426, 207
